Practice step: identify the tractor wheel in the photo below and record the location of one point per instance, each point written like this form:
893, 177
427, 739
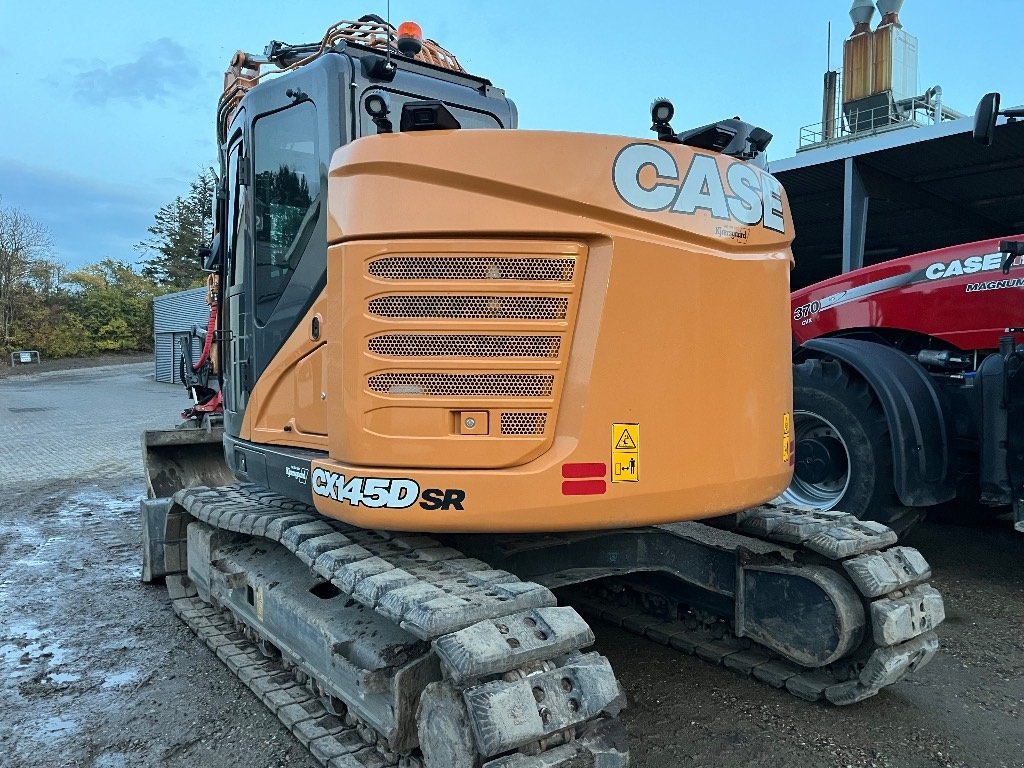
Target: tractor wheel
843, 448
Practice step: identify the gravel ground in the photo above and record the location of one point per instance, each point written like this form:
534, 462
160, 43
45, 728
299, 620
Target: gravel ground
96, 671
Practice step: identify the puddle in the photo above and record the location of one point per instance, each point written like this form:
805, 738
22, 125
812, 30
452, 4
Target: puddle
26, 629
87, 502
121, 678
116, 760
24, 643
63, 678
94, 497
16, 654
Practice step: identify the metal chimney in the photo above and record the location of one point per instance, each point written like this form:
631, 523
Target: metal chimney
861, 12
895, 55
890, 11
859, 53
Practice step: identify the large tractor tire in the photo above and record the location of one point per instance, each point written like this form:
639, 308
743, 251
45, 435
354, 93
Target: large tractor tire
843, 448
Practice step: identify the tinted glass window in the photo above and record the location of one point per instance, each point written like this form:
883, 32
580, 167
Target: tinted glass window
287, 198
236, 260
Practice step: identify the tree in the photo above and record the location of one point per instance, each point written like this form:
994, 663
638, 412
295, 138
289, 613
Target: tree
179, 229
23, 244
114, 304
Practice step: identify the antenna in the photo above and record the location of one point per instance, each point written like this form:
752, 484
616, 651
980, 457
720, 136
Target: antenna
388, 46
828, 50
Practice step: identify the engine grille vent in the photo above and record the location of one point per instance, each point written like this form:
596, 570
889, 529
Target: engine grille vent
472, 307
523, 423
472, 268
462, 385
465, 345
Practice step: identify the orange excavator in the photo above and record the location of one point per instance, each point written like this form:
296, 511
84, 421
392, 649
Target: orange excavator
470, 372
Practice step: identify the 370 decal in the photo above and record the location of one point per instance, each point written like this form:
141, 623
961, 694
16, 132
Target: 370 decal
805, 311
386, 492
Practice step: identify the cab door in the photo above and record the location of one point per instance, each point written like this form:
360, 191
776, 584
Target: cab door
236, 317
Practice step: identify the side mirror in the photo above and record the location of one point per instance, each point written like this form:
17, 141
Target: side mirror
1011, 249
985, 119
209, 255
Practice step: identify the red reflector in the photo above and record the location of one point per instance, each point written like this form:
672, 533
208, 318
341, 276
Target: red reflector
583, 487
594, 469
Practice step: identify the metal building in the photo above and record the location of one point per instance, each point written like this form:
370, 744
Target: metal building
899, 193
174, 315
888, 173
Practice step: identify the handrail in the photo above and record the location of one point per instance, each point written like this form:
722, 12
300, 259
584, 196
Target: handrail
244, 69
23, 354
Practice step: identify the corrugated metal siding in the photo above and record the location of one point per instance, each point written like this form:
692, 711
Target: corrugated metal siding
162, 346
167, 349
180, 311
174, 314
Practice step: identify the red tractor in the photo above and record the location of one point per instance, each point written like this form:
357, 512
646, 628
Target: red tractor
909, 385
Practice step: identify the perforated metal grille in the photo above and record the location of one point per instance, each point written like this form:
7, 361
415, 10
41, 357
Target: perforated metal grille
472, 307
472, 268
462, 385
523, 423
464, 345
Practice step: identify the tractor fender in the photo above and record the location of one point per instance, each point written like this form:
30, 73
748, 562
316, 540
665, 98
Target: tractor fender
913, 410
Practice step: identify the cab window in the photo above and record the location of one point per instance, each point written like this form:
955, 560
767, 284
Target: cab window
286, 199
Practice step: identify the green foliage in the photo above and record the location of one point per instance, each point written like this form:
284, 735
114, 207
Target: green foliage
69, 338
180, 228
103, 307
115, 304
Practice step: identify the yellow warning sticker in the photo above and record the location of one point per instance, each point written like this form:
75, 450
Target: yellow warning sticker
625, 453
787, 440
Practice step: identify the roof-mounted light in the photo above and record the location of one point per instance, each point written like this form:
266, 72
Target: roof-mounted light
661, 113
409, 38
377, 105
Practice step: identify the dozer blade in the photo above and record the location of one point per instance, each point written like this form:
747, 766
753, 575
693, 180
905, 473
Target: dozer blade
184, 458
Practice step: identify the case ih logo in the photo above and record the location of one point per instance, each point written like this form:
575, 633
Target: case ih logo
968, 266
745, 195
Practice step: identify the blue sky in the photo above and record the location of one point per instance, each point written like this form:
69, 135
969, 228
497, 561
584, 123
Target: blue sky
108, 107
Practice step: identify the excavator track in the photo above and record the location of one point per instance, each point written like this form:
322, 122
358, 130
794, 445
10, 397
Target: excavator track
332, 740
902, 610
412, 655
493, 673
731, 594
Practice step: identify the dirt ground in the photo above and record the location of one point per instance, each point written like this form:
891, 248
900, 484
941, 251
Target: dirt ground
96, 671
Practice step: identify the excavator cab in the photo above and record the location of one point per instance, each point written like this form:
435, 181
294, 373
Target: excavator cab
277, 147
